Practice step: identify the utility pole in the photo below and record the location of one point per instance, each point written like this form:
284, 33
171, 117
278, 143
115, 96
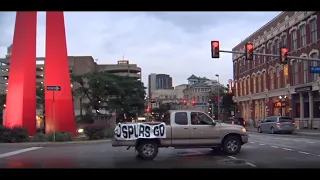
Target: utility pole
217, 75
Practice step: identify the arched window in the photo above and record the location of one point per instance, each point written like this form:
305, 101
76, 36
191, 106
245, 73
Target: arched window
278, 77
264, 81
240, 88
271, 74
285, 74
244, 87
259, 83
254, 84
295, 72
249, 85
305, 71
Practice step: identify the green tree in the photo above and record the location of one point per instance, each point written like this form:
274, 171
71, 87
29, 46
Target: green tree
3, 98
110, 92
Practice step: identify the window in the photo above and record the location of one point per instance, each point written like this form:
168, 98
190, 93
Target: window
254, 84
315, 63
180, 118
285, 74
259, 83
263, 58
249, 84
277, 44
296, 73
241, 86
202, 98
294, 39
198, 99
278, 77
271, 79
313, 31
244, 87
199, 118
303, 36
264, 81
305, 71
284, 41
269, 49
236, 88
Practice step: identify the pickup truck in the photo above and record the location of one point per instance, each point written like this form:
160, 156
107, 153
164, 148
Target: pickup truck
189, 129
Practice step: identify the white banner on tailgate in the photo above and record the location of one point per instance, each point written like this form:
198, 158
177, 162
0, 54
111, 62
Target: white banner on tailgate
139, 130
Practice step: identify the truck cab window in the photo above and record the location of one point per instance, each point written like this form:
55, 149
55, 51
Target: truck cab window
166, 118
181, 118
198, 118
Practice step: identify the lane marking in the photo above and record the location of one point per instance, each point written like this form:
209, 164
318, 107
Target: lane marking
232, 157
287, 149
277, 138
319, 155
12, 153
310, 142
261, 144
247, 163
303, 152
250, 164
251, 142
274, 146
296, 140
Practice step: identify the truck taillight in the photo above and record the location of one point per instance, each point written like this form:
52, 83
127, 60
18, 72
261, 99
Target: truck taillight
232, 122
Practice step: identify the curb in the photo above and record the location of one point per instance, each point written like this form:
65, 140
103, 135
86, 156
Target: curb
52, 144
311, 134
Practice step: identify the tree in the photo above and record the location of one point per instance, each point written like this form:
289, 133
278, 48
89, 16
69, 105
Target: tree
110, 92
3, 98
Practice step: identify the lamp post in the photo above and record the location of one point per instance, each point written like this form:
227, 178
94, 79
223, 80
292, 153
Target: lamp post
217, 75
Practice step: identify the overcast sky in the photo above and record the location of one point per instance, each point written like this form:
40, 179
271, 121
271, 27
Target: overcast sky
174, 43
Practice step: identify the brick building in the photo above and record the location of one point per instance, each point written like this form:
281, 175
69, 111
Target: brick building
263, 87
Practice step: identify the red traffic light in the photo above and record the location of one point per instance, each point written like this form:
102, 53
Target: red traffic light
284, 55
184, 102
249, 51
215, 49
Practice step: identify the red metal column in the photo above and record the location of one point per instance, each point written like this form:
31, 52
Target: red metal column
59, 110
21, 96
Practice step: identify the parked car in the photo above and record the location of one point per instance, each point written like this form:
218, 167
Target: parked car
236, 120
277, 124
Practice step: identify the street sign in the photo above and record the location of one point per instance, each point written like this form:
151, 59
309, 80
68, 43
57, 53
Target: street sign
315, 69
53, 88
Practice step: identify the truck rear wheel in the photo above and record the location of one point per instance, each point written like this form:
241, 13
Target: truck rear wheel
232, 145
147, 150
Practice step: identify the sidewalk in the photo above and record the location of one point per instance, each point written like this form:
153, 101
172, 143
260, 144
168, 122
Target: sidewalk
50, 144
305, 132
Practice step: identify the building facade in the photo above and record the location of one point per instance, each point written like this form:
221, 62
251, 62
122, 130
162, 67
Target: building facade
77, 65
264, 87
158, 81
199, 90
172, 96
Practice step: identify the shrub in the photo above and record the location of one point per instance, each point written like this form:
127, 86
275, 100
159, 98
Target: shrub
14, 134
59, 137
108, 132
95, 131
39, 137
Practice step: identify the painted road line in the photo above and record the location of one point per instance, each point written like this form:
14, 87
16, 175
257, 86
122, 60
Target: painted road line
261, 144
232, 157
250, 164
274, 146
12, 153
287, 149
302, 152
310, 142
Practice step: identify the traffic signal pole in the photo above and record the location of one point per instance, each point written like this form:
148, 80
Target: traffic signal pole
272, 55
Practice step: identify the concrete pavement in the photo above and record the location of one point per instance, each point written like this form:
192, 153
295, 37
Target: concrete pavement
262, 151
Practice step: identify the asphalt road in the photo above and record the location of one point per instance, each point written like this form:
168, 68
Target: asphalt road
262, 151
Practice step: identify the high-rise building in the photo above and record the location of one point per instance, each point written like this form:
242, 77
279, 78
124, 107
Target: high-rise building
158, 81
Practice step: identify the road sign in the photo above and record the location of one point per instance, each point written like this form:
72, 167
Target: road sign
315, 69
53, 88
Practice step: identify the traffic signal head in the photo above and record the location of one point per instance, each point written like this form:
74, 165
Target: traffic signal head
185, 102
215, 51
284, 55
249, 51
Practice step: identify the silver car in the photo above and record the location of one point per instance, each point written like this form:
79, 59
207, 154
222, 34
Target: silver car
275, 124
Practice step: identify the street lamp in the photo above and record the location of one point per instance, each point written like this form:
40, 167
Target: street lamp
217, 75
